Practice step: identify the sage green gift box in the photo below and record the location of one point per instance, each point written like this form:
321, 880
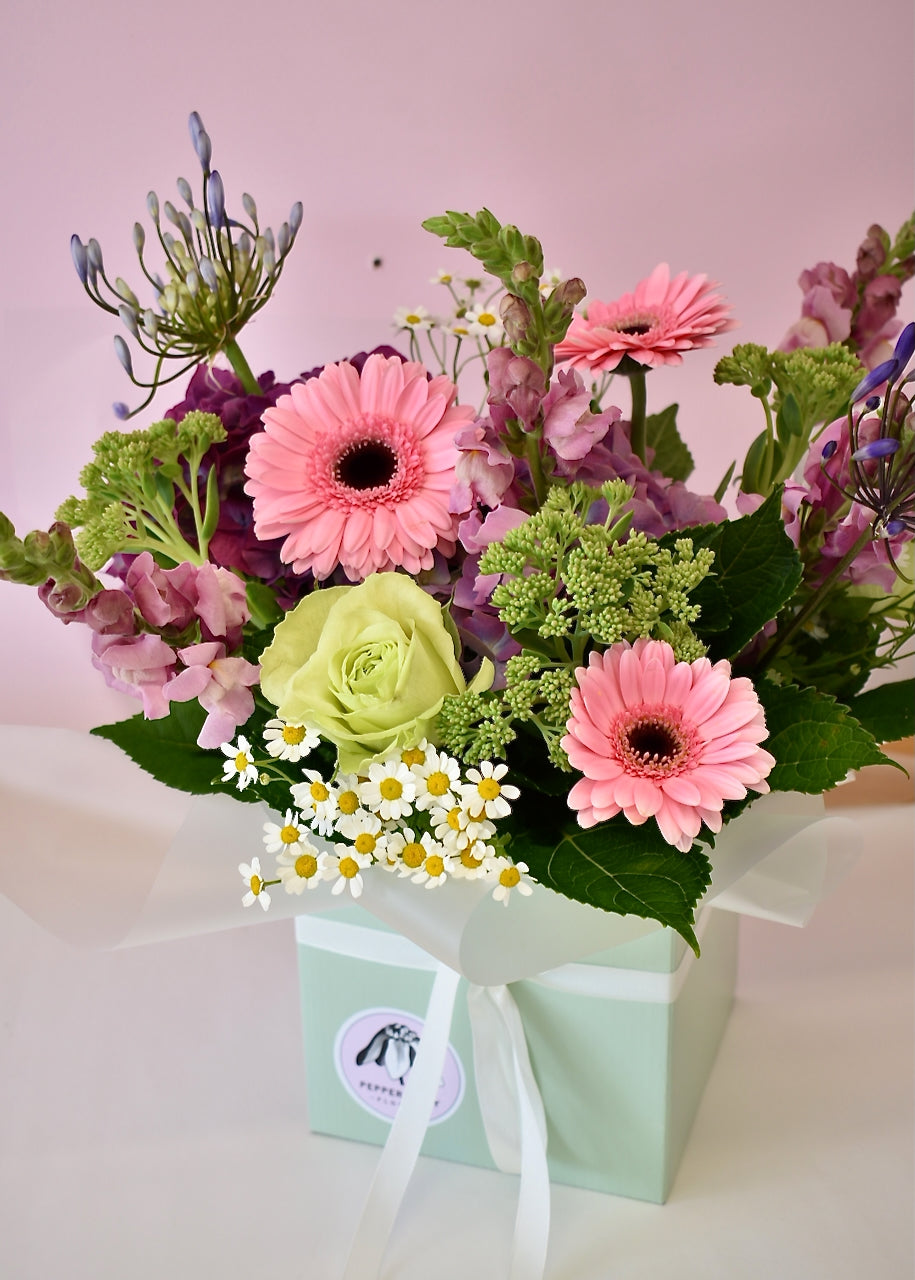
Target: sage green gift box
621, 1078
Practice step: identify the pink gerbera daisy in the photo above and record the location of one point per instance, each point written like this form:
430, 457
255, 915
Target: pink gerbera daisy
355, 470
657, 738
653, 325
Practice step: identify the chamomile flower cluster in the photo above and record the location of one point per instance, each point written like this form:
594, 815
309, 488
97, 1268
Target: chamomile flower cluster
416, 814
466, 330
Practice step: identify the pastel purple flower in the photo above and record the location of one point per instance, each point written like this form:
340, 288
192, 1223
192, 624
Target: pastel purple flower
139, 665
569, 427
516, 387
484, 470
222, 687
823, 320
175, 597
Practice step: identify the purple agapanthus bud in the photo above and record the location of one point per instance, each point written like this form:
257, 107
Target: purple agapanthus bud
80, 258
216, 199
905, 346
295, 217
208, 274
184, 191
895, 527
283, 239
129, 319
874, 379
122, 351
249, 206
871, 403
201, 140
829, 449
94, 254
884, 447
120, 410
152, 206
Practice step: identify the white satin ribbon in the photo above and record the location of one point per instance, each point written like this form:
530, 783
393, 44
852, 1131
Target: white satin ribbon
509, 1099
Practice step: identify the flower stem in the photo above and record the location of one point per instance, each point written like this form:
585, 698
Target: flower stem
638, 436
535, 462
233, 353
781, 638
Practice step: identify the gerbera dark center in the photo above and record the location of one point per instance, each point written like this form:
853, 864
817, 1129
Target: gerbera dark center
635, 328
368, 464
651, 740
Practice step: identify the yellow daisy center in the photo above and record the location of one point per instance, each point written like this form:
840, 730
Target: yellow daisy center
391, 789
435, 865
510, 877
486, 317
488, 788
241, 762
256, 884
293, 734
348, 802
454, 818
412, 756
289, 834
348, 868
318, 792
364, 843
413, 318
469, 861
413, 854
438, 783
444, 278
306, 865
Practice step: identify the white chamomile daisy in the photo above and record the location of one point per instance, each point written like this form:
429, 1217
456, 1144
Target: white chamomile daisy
279, 836
485, 794
456, 829
410, 850
289, 741
442, 277
317, 801
459, 327
345, 871
349, 811
437, 780
240, 763
413, 756
390, 789
509, 878
300, 867
483, 323
476, 862
251, 874
433, 872
413, 318
549, 280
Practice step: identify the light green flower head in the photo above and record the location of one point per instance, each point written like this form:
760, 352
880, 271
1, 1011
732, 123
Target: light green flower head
369, 666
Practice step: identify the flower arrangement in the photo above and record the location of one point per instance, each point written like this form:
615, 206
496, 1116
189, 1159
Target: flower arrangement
502, 643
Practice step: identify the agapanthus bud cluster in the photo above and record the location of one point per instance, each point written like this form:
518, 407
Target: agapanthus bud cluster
218, 273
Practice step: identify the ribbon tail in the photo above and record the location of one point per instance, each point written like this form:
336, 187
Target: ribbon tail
398, 1159
514, 1120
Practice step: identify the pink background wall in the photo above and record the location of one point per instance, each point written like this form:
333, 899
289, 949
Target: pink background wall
740, 140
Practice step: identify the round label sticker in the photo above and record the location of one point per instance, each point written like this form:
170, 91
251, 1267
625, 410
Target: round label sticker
374, 1053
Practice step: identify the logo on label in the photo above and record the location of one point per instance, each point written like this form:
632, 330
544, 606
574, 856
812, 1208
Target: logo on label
374, 1053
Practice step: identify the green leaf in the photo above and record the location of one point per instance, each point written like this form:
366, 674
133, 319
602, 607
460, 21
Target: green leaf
815, 740
757, 569
724, 482
888, 712
788, 419
614, 866
671, 456
626, 870
168, 750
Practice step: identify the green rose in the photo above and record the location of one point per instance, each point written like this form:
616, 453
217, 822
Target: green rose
369, 666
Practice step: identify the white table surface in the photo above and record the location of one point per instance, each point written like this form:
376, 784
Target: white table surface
154, 1122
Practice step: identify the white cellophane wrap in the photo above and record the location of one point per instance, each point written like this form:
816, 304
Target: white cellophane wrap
103, 855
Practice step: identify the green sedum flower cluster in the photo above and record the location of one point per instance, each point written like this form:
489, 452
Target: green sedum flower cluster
131, 491
567, 585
